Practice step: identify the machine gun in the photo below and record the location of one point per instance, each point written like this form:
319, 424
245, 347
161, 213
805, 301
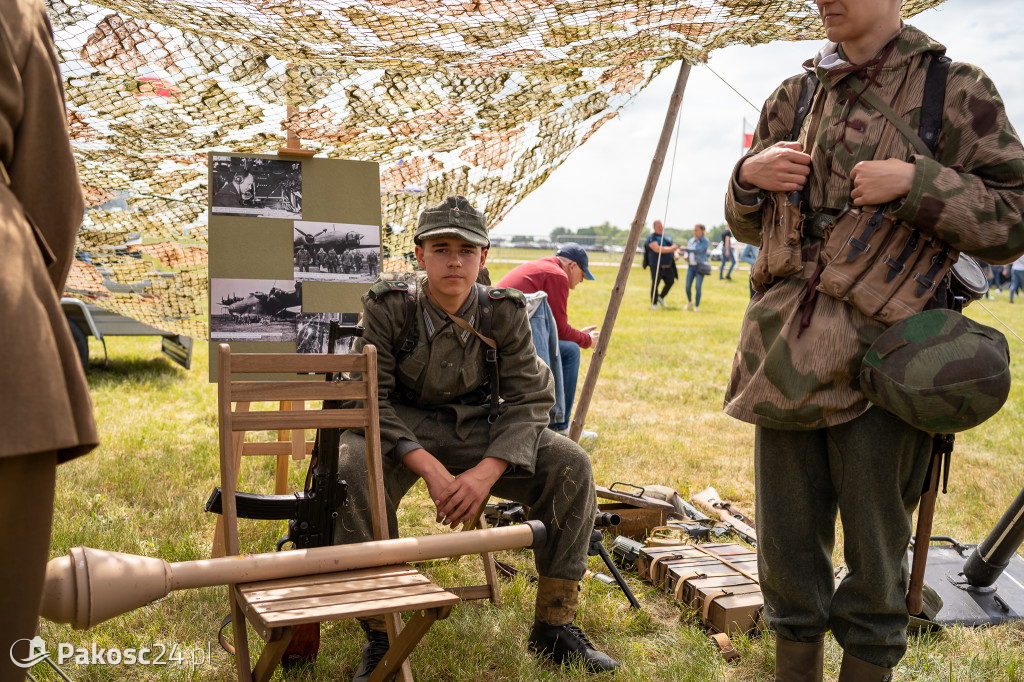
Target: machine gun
312, 514
508, 512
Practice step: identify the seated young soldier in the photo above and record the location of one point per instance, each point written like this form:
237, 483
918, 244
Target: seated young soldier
441, 421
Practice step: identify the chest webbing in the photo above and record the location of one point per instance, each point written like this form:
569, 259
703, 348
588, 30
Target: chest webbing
409, 337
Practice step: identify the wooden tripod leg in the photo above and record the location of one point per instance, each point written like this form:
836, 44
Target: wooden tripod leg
398, 655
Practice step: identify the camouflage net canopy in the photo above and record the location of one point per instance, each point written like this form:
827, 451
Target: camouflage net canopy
482, 98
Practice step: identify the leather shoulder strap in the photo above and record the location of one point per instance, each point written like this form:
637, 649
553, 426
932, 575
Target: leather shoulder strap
803, 105
934, 100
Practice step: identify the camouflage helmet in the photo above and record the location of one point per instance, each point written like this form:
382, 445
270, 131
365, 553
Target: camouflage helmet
938, 371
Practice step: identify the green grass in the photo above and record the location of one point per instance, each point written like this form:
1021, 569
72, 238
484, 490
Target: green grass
657, 409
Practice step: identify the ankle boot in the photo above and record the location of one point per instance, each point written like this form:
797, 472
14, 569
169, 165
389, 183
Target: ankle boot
856, 670
567, 643
798, 661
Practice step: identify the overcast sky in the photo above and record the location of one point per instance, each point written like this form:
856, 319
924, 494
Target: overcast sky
603, 179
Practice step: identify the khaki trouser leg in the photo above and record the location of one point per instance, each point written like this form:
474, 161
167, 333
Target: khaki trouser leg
26, 509
560, 493
869, 470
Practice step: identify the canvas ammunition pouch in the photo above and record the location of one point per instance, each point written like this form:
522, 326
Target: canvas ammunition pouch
782, 216
884, 268
782, 220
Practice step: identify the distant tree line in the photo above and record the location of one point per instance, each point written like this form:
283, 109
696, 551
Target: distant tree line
608, 234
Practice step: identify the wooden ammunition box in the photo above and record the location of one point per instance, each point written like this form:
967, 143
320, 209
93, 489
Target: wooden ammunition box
680, 579
638, 514
732, 610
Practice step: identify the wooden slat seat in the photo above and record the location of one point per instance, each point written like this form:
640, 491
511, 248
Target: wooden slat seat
334, 596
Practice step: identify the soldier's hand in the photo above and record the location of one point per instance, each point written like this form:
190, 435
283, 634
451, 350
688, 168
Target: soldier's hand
459, 502
783, 167
879, 182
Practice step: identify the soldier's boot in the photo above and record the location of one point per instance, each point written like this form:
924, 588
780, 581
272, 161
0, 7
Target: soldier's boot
799, 661
854, 669
555, 636
377, 644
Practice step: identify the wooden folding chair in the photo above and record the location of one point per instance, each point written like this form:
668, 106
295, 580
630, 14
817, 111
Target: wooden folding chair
274, 608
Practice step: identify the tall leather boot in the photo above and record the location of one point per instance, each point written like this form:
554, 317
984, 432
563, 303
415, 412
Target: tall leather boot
856, 670
799, 661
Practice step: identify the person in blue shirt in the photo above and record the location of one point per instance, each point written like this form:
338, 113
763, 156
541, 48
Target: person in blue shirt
696, 254
660, 257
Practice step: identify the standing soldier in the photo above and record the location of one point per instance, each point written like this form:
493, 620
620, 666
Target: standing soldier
450, 428
346, 261
332, 261
357, 261
371, 263
47, 414
938, 161
321, 259
302, 259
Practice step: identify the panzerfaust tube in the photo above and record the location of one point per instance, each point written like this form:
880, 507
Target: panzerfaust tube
90, 586
992, 556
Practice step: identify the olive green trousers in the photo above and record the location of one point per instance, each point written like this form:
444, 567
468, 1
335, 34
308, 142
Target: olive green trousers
560, 492
870, 471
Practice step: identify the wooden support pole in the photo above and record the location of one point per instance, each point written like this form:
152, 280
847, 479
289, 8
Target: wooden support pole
627, 256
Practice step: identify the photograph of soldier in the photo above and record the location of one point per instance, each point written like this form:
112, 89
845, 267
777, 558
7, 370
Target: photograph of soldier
254, 309
314, 332
336, 252
261, 188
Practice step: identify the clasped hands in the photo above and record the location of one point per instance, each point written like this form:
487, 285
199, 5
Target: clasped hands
457, 498
784, 167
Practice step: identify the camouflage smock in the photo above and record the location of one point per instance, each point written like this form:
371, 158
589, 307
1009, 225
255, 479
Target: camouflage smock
971, 195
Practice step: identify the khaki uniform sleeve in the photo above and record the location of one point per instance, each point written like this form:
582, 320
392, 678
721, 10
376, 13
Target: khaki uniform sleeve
743, 207
379, 329
527, 389
973, 196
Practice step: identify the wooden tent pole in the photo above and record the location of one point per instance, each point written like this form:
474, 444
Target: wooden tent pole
627, 256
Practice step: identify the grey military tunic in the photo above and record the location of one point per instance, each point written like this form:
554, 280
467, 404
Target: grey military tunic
548, 472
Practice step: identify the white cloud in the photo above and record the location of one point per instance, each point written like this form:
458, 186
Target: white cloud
603, 180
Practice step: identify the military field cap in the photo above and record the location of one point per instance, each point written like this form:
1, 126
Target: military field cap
453, 217
938, 371
578, 255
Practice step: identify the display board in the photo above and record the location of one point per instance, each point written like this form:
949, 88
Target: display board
294, 244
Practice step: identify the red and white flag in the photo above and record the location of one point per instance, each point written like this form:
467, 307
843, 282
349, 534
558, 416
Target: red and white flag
748, 135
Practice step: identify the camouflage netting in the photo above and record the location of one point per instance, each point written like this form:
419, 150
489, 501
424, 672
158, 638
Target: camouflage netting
481, 98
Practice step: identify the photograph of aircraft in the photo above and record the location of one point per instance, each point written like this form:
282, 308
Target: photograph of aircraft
336, 252
267, 312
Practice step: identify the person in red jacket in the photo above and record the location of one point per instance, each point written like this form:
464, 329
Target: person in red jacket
555, 276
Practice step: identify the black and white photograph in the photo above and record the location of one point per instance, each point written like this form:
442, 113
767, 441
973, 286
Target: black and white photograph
259, 188
314, 332
254, 309
336, 252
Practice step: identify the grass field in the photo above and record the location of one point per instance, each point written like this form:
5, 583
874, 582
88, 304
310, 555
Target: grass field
657, 409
